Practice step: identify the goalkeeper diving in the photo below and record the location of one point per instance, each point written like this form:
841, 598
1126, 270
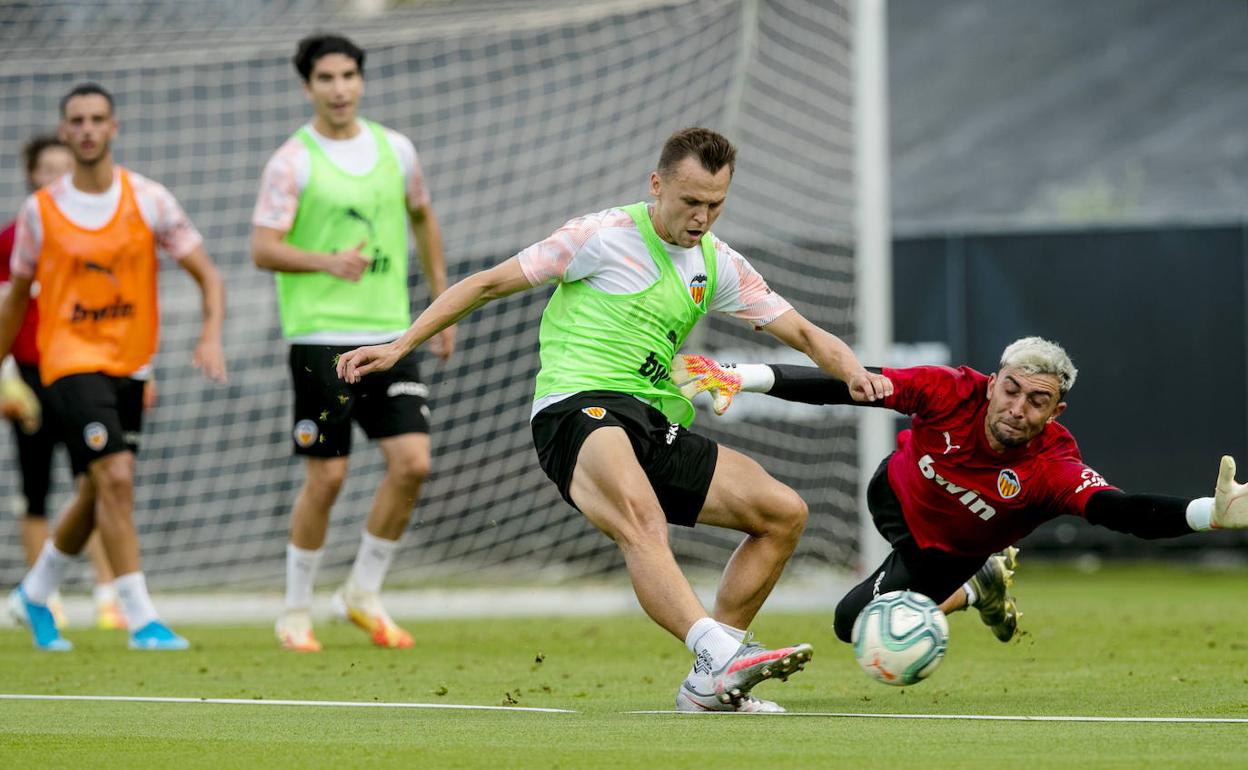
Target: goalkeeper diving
983, 464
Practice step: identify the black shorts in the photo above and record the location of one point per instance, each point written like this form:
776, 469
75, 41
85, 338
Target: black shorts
929, 571
97, 415
34, 450
678, 463
385, 404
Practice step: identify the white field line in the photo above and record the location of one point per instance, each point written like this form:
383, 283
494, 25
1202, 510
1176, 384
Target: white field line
972, 717
247, 702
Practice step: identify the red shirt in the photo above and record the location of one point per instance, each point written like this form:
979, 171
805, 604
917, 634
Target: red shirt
957, 494
25, 351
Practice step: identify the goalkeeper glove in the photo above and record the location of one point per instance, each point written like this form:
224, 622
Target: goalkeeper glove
695, 374
1230, 500
19, 403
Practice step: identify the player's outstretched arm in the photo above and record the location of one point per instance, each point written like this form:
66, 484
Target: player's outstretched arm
1157, 516
831, 354
209, 356
475, 291
695, 374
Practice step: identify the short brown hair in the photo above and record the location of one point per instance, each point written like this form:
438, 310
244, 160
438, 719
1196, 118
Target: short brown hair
711, 149
35, 147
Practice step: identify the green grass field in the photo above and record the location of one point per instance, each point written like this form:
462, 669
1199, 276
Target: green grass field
1135, 642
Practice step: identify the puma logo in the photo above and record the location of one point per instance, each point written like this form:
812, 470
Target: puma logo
949, 445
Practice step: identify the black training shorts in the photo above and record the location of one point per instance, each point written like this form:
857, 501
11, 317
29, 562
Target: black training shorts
97, 415
385, 404
678, 463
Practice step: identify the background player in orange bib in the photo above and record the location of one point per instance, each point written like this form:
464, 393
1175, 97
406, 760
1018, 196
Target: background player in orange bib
90, 240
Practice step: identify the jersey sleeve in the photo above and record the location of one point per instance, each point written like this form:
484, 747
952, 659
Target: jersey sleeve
278, 201
560, 258
740, 290
413, 176
27, 240
930, 391
175, 235
1069, 484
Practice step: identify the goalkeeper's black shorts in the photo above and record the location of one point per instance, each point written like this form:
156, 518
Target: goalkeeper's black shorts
678, 463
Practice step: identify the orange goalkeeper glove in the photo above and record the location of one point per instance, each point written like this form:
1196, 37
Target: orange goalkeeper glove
695, 374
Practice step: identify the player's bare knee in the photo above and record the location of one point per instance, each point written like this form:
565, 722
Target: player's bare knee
636, 523
325, 480
787, 513
113, 477
410, 470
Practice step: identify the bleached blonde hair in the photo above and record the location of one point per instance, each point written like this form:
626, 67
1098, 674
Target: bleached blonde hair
1036, 355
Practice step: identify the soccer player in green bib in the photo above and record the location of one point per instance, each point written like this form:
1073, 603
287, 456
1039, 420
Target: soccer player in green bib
611, 430
332, 222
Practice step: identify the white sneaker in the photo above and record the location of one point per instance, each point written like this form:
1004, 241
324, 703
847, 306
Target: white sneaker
365, 610
294, 631
685, 701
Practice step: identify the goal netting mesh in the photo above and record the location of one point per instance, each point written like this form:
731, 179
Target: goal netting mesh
524, 114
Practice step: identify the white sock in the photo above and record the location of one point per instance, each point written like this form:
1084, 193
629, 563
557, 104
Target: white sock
104, 592
136, 605
46, 575
711, 646
371, 562
301, 567
735, 633
970, 594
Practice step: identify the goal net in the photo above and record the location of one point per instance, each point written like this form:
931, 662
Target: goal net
524, 114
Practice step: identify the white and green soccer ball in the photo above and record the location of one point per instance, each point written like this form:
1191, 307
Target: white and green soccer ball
900, 638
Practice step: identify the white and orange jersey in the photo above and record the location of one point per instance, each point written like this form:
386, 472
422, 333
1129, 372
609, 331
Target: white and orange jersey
606, 250
161, 212
287, 173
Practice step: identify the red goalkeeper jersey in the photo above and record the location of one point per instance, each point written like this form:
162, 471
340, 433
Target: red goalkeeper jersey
24, 350
957, 494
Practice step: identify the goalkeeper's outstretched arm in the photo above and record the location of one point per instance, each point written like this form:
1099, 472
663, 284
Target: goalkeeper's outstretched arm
475, 291
695, 374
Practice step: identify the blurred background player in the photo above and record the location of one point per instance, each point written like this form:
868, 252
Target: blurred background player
45, 158
983, 464
90, 240
612, 433
332, 221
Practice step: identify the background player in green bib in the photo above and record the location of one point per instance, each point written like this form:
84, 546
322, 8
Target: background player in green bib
611, 429
332, 222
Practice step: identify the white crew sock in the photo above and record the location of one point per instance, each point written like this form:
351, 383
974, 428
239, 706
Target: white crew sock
711, 646
136, 605
371, 562
735, 633
301, 567
970, 594
104, 593
46, 575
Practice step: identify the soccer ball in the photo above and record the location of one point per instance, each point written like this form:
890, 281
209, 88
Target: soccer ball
900, 638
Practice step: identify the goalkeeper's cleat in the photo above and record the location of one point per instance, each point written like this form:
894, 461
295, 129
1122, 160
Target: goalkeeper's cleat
365, 610
992, 582
689, 699
57, 607
38, 618
108, 615
694, 374
157, 636
1230, 500
294, 631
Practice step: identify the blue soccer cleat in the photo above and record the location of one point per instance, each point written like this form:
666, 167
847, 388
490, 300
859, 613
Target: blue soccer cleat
157, 636
38, 618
